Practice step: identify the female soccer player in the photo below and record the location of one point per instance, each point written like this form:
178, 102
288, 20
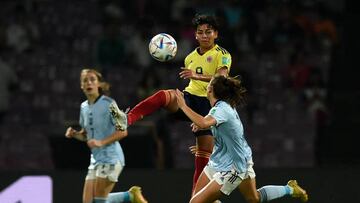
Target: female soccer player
230, 165
200, 65
101, 129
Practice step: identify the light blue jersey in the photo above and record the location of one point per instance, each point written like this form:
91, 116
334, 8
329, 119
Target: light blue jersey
231, 150
100, 120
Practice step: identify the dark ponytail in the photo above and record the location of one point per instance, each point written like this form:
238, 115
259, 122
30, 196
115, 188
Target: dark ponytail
229, 89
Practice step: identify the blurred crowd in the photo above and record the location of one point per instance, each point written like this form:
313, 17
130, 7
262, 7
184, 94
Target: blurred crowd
282, 50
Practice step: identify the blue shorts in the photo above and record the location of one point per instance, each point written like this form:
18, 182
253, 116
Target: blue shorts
200, 105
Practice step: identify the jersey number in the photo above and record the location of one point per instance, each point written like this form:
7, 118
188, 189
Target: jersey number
92, 132
91, 123
199, 70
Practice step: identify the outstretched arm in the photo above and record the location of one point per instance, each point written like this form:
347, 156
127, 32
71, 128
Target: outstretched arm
200, 121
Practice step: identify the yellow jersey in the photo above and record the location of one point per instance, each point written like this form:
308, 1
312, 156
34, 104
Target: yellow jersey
206, 64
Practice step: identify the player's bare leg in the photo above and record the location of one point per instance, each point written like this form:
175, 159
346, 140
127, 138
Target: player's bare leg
210, 193
88, 191
248, 189
203, 149
103, 187
171, 103
201, 183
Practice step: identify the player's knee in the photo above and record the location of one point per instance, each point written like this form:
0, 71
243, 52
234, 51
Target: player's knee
171, 103
170, 95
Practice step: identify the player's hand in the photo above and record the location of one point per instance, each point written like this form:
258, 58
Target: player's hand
70, 132
187, 74
194, 127
94, 143
180, 98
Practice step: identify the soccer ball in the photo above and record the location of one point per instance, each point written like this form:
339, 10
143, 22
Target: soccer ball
162, 47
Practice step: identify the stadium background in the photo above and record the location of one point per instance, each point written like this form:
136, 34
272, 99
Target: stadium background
297, 59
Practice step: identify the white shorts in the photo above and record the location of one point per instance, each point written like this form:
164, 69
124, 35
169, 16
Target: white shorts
109, 171
229, 180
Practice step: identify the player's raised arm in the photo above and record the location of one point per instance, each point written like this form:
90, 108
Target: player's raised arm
200, 121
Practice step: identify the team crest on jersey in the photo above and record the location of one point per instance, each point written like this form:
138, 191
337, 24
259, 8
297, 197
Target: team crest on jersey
225, 60
209, 59
212, 111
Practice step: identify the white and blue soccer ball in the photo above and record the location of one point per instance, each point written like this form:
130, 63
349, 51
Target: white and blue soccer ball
163, 47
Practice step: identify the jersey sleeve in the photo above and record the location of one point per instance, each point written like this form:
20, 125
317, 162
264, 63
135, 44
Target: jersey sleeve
81, 119
224, 59
218, 114
118, 118
186, 61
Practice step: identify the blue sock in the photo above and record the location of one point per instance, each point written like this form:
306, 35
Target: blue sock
119, 197
100, 200
271, 192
